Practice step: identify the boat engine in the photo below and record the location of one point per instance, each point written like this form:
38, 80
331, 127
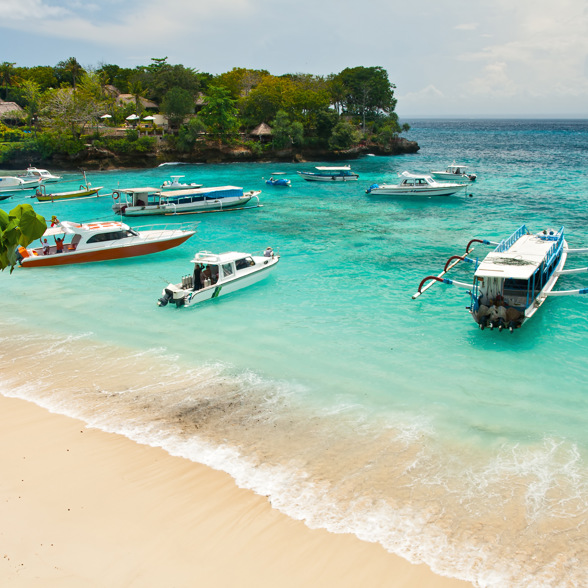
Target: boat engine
165, 298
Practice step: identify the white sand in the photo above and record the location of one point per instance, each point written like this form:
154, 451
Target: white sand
80, 508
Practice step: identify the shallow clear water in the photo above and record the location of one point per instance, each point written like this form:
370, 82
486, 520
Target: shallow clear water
326, 387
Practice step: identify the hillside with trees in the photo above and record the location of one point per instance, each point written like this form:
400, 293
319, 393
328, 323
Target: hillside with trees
113, 116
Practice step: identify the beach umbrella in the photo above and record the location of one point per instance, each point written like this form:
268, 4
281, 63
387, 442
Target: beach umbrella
132, 117
106, 116
148, 118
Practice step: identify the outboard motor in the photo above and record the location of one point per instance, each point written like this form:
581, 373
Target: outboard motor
164, 299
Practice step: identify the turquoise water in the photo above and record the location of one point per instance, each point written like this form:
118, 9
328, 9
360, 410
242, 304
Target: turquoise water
326, 387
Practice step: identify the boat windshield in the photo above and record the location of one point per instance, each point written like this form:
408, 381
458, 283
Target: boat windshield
111, 236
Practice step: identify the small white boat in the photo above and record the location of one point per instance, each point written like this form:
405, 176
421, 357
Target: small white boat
152, 201
454, 173
100, 241
515, 279
14, 184
40, 174
415, 185
175, 184
217, 275
330, 174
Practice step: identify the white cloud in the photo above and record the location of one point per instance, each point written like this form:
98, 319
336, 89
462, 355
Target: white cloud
21, 12
471, 26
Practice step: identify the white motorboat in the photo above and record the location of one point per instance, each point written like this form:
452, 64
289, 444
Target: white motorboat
101, 241
415, 185
515, 279
40, 174
217, 275
175, 184
330, 174
454, 173
152, 201
14, 184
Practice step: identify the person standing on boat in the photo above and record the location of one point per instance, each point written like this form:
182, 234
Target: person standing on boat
58, 245
197, 277
46, 247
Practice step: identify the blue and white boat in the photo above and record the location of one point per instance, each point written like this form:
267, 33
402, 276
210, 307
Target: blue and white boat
514, 280
153, 201
415, 185
330, 174
274, 181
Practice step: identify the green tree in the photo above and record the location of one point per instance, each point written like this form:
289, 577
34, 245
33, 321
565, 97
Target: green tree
285, 132
219, 114
367, 92
7, 73
240, 81
189, 134
43, 75
69, 72
176, 105
344, 136
31, 93
21, 226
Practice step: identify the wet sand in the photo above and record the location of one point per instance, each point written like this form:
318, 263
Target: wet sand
80, 507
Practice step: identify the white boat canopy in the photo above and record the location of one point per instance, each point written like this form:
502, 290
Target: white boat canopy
340, 168
519, 262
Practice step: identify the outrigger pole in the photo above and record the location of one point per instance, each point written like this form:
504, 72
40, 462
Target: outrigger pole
449, 265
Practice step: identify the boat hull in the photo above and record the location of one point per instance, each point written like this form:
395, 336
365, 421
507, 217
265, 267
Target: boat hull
194, 207
416, 192
310, 177
67, 195
106, 253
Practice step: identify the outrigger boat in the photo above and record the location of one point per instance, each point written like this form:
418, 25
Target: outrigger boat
85, 191
330, 174
217, 275
515, 279
100, 241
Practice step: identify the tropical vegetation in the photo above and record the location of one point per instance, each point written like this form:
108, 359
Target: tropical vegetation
73, 111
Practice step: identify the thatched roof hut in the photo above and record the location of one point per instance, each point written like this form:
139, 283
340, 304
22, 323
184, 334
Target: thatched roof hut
124, 99
262, 131
10, 110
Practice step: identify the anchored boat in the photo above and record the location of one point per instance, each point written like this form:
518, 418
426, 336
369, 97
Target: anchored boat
34, 173
274, 181
100, 241
149, 201
175, 184
330, 174
217, 275
515, 279
415, 185
454, 173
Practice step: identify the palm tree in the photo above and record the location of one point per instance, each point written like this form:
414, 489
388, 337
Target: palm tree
6, 75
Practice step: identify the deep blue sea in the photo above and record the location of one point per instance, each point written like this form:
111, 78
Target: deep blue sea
326, 387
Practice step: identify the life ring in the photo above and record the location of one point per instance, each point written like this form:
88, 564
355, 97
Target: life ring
115, 197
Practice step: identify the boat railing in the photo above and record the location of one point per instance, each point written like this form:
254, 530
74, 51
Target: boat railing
507, 243
166, 227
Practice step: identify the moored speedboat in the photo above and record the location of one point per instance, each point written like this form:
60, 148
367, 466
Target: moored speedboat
152, 201
217, 275
45, 176
454, 173
100, 241
175, 184
14, 184
514, 280
415, 185
330, 174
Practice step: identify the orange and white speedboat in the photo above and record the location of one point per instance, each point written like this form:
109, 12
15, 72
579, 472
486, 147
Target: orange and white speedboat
101, 241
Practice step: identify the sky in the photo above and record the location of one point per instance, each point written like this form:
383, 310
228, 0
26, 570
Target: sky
452, 58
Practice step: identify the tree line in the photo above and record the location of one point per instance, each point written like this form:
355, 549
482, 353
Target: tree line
64, 103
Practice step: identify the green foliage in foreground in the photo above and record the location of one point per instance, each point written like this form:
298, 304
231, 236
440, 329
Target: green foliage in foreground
21, 226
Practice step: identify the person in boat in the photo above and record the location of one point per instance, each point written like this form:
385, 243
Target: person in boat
46, 247
198, 277
268, 252
58, 244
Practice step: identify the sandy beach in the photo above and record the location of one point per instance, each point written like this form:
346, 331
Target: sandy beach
80, 507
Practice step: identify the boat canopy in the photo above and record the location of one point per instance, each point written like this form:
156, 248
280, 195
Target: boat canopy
520, 261
227, 191
340, 168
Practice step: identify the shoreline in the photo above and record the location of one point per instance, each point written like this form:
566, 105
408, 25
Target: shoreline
85, 507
